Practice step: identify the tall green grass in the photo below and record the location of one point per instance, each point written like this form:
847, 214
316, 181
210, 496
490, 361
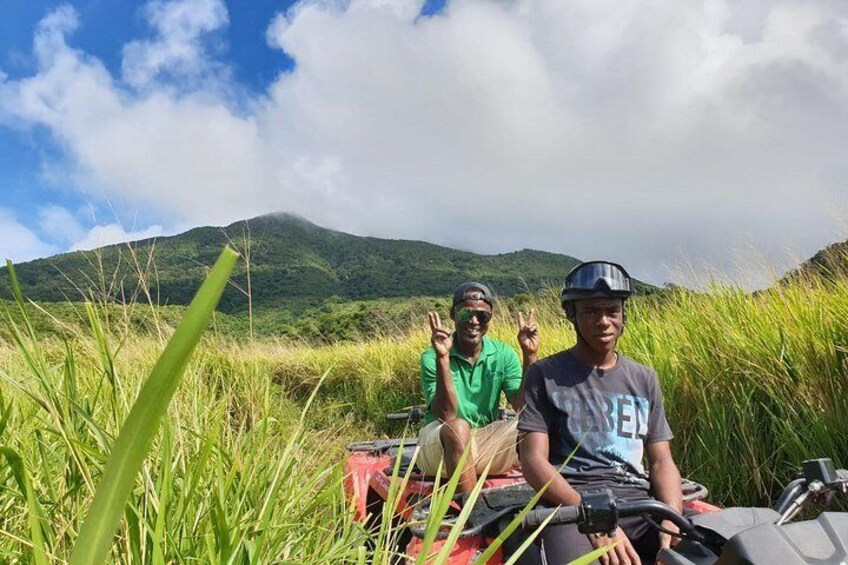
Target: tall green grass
142, 423
232, 478
241, 471
753, 384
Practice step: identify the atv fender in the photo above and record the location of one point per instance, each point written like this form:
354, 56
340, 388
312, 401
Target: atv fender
359, 468
464, 552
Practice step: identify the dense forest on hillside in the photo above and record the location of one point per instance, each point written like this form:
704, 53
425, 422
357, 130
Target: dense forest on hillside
331, 321
830, 263
303, 280
292, 264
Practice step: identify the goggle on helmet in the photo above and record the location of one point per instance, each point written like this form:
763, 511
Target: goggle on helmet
596, 279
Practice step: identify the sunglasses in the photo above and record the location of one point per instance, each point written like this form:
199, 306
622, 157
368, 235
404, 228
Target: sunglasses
465, 315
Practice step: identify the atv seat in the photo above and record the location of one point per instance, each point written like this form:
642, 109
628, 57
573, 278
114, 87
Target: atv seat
405, 454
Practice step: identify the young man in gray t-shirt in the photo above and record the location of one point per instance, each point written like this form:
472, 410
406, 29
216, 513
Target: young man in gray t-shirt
590, 416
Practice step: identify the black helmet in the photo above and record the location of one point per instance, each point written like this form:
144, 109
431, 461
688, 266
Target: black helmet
596, 279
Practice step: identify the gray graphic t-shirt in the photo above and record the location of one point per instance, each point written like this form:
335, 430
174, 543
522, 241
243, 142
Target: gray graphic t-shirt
604, 417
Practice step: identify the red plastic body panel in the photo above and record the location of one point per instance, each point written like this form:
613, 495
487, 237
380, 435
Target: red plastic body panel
463, 552
359, 469
700, 507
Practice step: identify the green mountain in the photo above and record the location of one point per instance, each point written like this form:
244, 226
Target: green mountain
293, 263
827, 264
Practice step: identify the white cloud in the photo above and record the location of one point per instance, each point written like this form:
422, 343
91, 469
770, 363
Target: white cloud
638, 131
109, 234
58, 223
49, 42
19, 243
178, 48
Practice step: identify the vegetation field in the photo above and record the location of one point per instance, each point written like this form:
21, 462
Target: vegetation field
245, 470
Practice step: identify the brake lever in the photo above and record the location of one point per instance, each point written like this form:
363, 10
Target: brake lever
814, 489
843, 480
678, 534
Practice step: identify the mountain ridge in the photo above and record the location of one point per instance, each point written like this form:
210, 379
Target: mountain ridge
828, 263
292, 261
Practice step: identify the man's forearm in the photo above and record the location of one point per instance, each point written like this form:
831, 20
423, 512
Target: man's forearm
445, 403
528, 359
538, 472
665, 481
517, 399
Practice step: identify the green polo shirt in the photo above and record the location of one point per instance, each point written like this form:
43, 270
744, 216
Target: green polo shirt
478, 387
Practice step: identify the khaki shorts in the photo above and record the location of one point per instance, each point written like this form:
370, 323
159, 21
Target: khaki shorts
495, 442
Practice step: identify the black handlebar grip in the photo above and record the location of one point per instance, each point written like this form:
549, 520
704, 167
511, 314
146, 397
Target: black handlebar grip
563, 515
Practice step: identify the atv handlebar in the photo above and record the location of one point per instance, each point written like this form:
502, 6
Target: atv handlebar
599, 511
819, 479
561, 515
413, 415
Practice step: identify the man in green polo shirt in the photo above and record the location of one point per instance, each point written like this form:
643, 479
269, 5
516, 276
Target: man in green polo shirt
463, 375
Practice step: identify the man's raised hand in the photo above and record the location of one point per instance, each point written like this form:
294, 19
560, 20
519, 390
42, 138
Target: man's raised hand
528, 333
440, 336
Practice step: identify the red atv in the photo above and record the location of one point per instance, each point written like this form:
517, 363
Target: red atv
371, 466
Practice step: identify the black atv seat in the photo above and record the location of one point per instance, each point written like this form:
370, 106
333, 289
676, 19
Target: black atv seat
405, 457
405, 454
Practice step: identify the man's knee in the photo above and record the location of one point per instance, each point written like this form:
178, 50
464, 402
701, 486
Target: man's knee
455, 434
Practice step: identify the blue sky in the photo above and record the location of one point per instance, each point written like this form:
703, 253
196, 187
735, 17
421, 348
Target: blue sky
700, 136
106, 26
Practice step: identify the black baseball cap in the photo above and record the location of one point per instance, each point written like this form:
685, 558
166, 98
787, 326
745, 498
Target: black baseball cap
472, 291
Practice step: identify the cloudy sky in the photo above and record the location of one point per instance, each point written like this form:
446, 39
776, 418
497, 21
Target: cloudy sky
656, 133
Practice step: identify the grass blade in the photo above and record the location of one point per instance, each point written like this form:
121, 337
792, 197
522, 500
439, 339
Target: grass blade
594, 555
37, 520
141, 425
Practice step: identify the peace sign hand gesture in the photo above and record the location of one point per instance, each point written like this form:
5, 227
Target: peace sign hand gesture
440, 336
528, 333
